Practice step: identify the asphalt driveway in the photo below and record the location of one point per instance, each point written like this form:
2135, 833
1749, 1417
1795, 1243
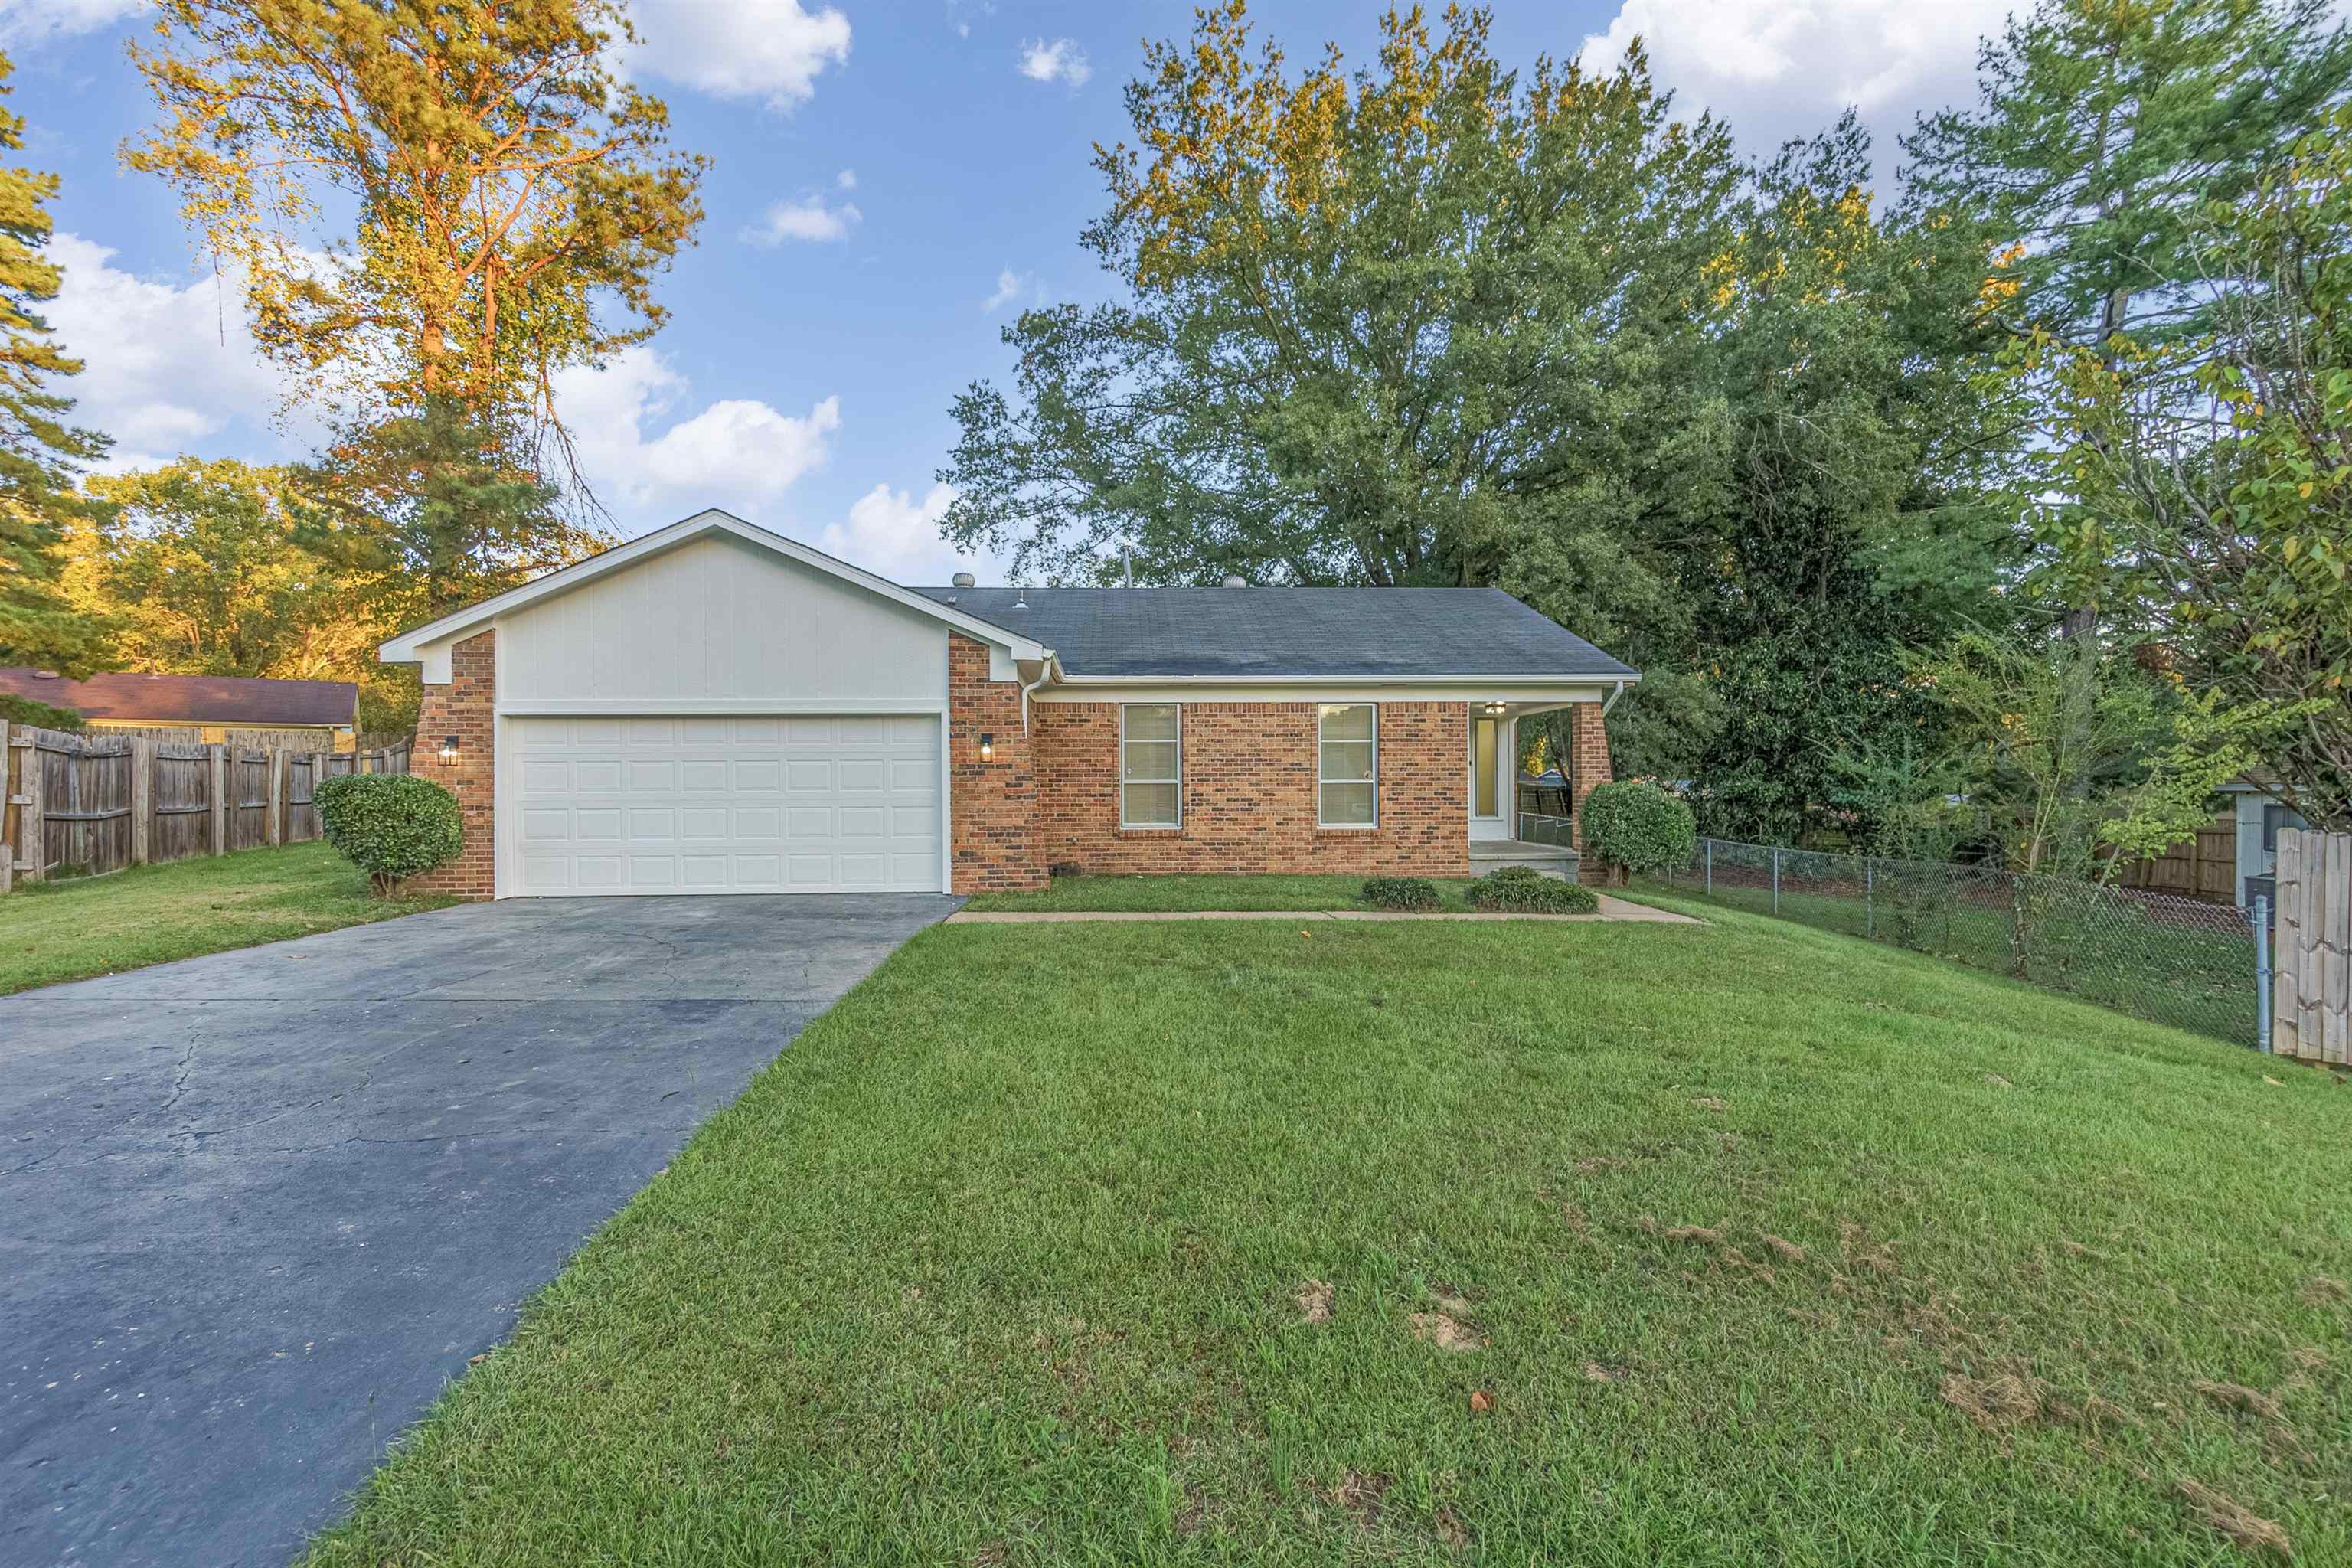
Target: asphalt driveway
256, 1209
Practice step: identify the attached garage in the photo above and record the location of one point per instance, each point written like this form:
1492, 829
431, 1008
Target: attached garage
712, 709
772, 804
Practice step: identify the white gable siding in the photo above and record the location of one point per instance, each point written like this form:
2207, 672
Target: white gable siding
715, 626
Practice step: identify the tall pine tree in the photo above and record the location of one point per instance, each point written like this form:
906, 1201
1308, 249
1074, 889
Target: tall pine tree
2104, 127
40, 452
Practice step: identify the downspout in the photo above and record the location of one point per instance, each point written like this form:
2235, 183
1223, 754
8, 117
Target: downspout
1045, 674
1611, 700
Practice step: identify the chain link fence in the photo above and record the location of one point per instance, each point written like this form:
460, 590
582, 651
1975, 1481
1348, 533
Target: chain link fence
2155, 955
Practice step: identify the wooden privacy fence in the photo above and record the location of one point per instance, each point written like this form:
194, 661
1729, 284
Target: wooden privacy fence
2202, 866
2311, 980
78, 806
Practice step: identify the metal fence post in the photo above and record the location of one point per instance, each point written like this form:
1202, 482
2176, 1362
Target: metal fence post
2261, 973
1869, 900
1776, 878
1710, 868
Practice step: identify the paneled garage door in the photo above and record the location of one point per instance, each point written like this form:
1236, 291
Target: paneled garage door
724, 804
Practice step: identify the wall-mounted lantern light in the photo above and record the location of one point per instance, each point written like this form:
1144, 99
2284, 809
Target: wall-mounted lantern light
988, 748
448, 748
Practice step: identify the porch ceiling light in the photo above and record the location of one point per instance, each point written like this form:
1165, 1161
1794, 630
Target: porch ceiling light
1498, 707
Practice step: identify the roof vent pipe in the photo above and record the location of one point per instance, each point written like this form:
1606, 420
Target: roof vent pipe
966, 579
1233, 582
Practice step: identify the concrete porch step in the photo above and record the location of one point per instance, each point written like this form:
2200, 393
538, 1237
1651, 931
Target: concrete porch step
1552, 859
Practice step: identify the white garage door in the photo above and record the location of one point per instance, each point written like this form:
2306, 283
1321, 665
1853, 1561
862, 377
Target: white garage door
725, 804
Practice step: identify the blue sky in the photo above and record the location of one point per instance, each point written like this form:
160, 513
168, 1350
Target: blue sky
891, 183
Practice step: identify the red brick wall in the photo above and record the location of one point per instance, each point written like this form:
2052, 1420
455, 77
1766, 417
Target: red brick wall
1249, 793
992, 805
1588, 770
465, 708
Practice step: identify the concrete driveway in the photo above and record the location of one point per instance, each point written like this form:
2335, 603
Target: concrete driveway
256, 1209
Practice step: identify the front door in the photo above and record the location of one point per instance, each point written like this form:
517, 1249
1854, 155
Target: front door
1490, 786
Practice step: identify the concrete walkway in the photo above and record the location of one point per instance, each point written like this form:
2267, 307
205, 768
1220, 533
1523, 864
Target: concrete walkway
256, 1209
1610, 909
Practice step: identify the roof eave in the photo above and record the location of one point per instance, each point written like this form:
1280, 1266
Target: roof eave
409, 646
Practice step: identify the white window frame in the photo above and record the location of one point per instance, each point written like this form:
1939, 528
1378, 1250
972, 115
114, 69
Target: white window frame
1374, 781
1124, 825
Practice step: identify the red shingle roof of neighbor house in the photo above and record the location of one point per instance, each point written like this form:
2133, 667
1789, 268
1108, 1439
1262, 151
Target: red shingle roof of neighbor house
228, 699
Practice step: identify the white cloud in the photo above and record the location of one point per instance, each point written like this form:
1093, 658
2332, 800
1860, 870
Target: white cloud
738, 452
1060, 60
29, 19
1009, 285
768, 49
166, 366
846, 179
891, 533
806, 219
1784, 69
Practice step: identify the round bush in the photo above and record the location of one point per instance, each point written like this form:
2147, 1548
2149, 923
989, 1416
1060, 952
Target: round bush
1638, 827
1523, 890
391, 825
1400, 892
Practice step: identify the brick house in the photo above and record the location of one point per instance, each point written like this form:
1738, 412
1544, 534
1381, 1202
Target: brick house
715, 709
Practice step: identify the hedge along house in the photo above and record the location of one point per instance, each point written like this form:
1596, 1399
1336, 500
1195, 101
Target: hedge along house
715, 709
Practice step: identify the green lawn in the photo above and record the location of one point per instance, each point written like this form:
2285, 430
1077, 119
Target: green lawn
1769, 1246
51, 932
2171, 961
1098, 894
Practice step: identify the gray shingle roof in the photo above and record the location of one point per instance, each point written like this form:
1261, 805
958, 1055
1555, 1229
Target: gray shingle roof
1287, 631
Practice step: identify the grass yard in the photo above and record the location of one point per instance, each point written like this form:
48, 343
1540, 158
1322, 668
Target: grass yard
1422, 1244
52, 932
2169, 961
1122, 895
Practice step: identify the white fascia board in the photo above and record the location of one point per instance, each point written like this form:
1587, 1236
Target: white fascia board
419, 642
1555, 690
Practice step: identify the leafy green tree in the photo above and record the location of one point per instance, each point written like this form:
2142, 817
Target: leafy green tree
2103, 130
2224, 525
511, 197
1844, 522
40, 454
202, 568
1374, 324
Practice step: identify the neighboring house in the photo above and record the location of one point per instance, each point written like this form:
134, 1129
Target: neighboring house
715, 708
2261, 815
217, 704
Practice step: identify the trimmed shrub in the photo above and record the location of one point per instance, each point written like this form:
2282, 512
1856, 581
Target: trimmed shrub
1522, 890
1635, 826
391, 825
41, 715
1400, 892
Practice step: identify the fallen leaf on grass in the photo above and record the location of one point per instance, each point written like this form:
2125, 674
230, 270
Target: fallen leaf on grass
1315, 1303
2275, 1083
1480, 1400
1997, 1081
2247, 1530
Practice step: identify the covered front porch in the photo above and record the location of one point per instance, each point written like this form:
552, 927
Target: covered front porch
1522, 818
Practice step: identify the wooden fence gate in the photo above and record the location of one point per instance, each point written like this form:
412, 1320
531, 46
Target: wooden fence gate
2311, 988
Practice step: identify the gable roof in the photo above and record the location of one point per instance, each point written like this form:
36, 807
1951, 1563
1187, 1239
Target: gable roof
1241, 633
229, 700
702, 524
